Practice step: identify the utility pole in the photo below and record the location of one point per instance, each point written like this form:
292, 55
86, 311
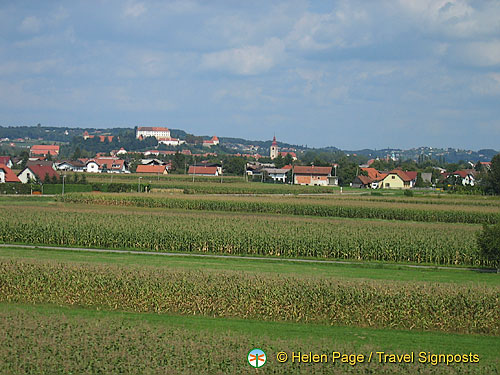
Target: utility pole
194, 167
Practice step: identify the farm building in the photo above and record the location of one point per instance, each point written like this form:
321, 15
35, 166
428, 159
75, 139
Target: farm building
151, 168
203, 171
44, 150
305, 175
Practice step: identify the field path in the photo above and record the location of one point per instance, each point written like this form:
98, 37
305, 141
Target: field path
138, 252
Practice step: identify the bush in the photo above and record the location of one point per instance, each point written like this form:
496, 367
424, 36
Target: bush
408, 193
488, 241
15, 188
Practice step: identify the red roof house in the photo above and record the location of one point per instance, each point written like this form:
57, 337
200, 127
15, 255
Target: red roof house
53, 150
157, 169
37, 173
6, 174
311, 175
203, 171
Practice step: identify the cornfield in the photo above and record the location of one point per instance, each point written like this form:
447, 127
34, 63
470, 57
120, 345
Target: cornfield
399, 305
242, 234
329, 209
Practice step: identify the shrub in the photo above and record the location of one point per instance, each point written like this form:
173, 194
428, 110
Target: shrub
488, 241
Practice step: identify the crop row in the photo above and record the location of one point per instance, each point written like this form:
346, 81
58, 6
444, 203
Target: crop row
410, 305
243, 234
113, 344
290, 208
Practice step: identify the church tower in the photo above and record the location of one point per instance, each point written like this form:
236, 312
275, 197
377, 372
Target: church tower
274, 149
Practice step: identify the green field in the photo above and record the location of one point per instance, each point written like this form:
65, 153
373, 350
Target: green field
85, 312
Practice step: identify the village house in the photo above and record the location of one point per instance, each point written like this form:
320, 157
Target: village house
70, 165
214, 141
292, 154
364, 182
152, 168
467, 176
6, 174
277, 174
305, 175
396, 179
44, 150
6, 160
37, 173
198, 170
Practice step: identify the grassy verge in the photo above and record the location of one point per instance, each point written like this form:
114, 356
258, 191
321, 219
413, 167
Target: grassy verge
44, 339
366, 271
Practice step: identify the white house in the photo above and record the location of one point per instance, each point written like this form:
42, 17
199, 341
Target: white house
92, 167
277, 174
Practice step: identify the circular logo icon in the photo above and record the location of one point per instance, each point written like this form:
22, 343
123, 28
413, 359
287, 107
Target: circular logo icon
256, 358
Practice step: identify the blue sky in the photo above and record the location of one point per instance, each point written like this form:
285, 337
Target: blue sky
350, 74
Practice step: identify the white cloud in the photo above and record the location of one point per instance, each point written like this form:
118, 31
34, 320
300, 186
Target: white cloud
134, 10
454, 18
30, 24
248, 60
35, 67
343, 27
480, 54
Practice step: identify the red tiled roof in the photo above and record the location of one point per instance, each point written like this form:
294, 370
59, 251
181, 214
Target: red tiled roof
285, 153
288, 166
411, 174
366, 180
274, 141
153, 129
151, 168
44, 149
9, 175
4, 159
465, 172
299, 169
372, 173
401, 174
109, 163
103, 138
202, 170
40, 171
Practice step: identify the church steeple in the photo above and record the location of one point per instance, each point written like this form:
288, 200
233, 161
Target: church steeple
274, 150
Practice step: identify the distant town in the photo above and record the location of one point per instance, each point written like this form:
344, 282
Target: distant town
40, 154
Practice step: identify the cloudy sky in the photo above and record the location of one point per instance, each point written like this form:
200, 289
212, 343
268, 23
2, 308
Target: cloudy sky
350, 74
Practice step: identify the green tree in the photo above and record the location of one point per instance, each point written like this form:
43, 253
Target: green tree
346, 171
279, 162
492, 178
488, 241
77, 154
288, 159
235, 165
178, 162
420, 182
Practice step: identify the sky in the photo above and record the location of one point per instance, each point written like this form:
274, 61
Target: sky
350, 74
